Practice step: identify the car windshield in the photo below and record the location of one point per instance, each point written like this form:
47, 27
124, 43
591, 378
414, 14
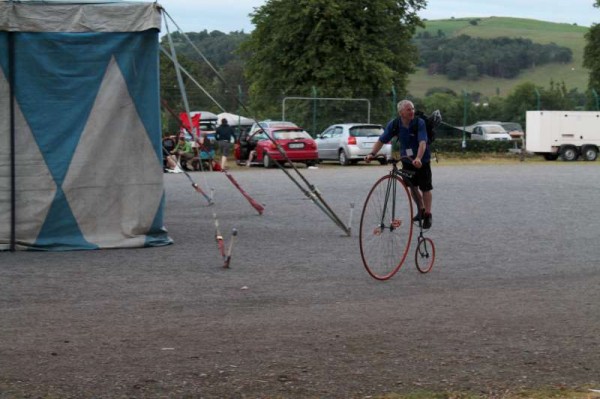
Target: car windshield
207, 126
259, 136
188, 136
290, 135
271, 124
366, 131
509, 126
491, 129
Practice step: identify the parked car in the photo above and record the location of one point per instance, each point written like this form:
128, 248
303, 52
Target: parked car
256, 126
349, 143
296, 143
208, 125
489, 132
514, 130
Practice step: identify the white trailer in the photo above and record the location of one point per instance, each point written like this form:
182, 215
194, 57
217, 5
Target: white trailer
568, 134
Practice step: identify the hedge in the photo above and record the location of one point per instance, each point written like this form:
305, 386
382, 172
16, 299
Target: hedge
477, 146
473, 146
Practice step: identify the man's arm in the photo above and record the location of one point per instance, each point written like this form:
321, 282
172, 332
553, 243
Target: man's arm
384, 138
422, 135
422, 147
376, 147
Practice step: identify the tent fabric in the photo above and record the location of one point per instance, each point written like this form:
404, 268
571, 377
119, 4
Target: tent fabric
58, 17
87, 149
235, 120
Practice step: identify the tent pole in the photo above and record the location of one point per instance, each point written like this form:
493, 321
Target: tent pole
11, 85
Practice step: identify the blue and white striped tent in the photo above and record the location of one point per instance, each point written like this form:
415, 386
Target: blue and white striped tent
80, 149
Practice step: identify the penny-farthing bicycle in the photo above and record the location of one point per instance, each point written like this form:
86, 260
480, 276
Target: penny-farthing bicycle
386, 227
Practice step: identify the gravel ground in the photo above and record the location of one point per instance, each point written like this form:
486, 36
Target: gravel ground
513, 300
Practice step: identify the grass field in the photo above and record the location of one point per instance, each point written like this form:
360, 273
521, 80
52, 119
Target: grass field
549, 393
572, 36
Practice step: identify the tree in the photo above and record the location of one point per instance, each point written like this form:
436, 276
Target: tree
591, 53
522, 99
591, 56
343, 48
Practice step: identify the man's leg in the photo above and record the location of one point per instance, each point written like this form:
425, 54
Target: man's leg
225, 153
171, 162
427, 218
185, 158
427, 199
250, 157
418, 199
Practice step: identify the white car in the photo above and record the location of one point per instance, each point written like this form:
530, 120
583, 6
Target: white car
349, 143
489, 132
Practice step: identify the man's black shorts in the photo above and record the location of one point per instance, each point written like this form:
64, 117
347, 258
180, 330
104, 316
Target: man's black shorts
422, 177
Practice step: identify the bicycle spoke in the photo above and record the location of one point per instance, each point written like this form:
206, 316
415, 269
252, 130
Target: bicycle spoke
386, 227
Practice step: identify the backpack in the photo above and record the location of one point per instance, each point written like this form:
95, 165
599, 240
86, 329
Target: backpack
431, 122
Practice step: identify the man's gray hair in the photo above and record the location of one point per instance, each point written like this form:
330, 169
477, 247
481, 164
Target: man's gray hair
402, 103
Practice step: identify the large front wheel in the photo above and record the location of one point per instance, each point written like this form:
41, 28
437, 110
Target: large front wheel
386, 227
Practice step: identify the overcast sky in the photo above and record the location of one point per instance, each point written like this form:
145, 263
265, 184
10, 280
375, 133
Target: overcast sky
232, 15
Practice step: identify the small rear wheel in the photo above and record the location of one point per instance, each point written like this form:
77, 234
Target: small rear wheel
425, 254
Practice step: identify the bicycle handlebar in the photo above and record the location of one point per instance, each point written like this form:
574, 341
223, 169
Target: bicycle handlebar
396, 160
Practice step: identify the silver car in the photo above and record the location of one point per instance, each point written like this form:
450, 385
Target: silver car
349, 143
489, 131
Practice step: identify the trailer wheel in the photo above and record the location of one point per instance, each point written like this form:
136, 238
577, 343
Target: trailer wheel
590, 153
550, 157
569, 153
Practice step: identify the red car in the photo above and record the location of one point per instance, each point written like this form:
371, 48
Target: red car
258, 149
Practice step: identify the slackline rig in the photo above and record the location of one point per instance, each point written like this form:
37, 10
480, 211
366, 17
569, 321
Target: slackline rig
308, 189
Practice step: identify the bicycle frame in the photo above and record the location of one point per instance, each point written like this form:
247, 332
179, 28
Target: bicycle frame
381, 235
392, 186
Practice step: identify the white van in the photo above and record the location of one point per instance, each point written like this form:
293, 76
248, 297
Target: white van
489, 131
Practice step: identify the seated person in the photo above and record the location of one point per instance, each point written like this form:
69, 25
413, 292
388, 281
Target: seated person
203, 152
168, 144
181, 153
251, 148
244, 145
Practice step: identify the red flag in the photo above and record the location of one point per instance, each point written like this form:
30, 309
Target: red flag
195, 123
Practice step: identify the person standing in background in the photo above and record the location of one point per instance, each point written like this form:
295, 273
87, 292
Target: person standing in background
223, 136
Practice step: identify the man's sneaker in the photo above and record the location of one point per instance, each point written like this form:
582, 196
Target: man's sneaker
427, 219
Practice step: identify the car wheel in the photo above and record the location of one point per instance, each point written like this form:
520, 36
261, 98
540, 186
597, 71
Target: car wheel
343, 158
267, 163
569, 153
382, 161
550, 157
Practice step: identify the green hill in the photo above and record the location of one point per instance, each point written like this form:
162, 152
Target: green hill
572, 36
